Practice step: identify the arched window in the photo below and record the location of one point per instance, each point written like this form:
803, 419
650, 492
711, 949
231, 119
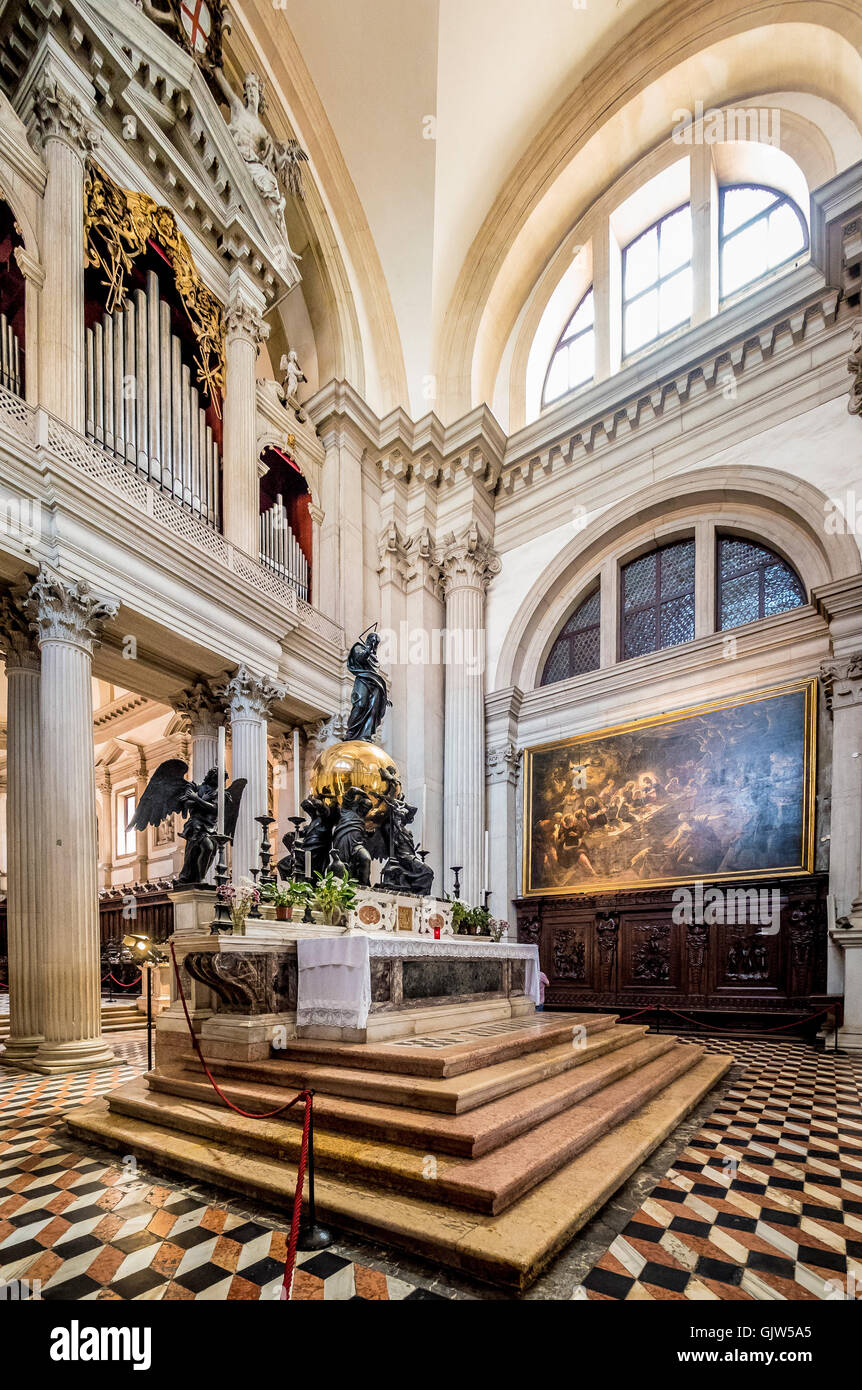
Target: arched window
657, 600
657, 280
577, 649
760, 229
574, 360
753, 582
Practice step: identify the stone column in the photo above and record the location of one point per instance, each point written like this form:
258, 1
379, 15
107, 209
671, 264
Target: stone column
34, 278
203, 712
467, 566
24, 813
502, 771
249, 699
67, 617
245, 330
848, 941
842, 687
65, 137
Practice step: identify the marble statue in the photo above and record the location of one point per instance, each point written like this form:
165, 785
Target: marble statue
169, 792
292, 374
270, 162
370, 692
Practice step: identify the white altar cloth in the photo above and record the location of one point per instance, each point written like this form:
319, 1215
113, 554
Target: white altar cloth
334, 973
334, 982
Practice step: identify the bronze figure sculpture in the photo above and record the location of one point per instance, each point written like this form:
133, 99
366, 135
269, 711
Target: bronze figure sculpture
169, 792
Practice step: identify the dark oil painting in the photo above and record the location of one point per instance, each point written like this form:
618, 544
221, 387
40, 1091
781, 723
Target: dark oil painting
720, 791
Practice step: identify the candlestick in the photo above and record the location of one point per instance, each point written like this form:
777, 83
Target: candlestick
220, 765
297, 785
456, 869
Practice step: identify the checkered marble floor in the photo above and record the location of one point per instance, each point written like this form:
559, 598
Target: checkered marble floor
90, 1229
765, 1202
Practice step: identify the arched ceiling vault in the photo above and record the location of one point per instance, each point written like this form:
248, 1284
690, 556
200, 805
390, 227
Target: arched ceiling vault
717, 52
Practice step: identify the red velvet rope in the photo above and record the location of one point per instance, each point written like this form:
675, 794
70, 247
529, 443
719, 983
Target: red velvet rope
293, 1239
713, 1027
121, 983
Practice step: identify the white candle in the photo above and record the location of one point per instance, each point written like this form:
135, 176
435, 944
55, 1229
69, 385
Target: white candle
308, 864
297, 794
220, 766
457, 846
487, 861
424, 827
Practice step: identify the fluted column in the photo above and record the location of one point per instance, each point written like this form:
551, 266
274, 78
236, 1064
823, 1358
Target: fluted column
467, 566
67, 617
249, 699
65, 136
203, 713
245, 330
24, 819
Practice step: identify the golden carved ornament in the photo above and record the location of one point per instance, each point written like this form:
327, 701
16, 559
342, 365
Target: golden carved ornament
118, 223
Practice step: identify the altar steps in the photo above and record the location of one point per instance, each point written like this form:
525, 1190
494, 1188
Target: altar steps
468, 1134
449, 1095
452, 1053
509, 1248
608, 1093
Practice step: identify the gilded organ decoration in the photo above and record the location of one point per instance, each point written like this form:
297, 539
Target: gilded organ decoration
118, 224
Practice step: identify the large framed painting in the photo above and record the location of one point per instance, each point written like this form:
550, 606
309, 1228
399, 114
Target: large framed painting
721, 791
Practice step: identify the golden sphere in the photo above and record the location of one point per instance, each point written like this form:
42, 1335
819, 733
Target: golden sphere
353, 763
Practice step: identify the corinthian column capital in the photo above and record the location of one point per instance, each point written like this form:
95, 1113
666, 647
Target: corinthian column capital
67, 610
467, 562
842, 681
248, 696
200, 706
243, 321
59, 115
19, 646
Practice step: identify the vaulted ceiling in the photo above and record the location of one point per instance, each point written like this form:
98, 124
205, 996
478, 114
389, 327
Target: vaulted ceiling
430, 123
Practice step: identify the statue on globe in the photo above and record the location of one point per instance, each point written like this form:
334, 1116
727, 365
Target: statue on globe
370, 697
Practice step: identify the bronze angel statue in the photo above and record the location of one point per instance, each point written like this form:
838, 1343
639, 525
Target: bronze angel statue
170, 792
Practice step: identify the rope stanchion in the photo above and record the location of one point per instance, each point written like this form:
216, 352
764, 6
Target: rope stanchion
714, 1028
293, 1239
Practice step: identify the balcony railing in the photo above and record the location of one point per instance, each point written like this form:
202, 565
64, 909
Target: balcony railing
142, 406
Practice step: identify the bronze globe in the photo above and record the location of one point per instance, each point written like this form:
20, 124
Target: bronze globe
353, 763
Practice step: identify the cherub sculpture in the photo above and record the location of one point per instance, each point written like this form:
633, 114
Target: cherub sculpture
271, 163
169, 792
292, 374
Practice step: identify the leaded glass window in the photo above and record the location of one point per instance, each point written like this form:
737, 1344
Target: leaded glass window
577, 648
760, 229
657, 600
657, 290
574, 361
753, 582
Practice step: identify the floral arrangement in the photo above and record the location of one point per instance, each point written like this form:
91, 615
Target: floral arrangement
294, 892
240, 899
333, 896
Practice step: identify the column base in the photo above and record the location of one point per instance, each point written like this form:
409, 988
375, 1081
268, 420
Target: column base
83, 1054
849, 1040
19, 1052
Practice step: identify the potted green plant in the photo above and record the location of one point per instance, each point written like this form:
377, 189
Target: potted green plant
333, 897
470, 921
284, 897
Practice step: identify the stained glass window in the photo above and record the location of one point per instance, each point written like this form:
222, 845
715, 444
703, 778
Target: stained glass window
577, 648
760, 229
574, 360
753, 582
657, 600
657, 280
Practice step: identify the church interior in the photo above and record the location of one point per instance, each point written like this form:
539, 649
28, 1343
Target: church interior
431, 622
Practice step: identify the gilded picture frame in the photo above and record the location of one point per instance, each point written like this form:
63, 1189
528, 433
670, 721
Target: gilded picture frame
723, 790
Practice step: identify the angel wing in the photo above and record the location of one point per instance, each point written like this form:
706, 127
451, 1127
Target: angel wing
232, 799
163, 794
290, 156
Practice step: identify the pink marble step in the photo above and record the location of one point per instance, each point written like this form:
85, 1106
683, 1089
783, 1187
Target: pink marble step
448, 1095
431, 1055
468, 1135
